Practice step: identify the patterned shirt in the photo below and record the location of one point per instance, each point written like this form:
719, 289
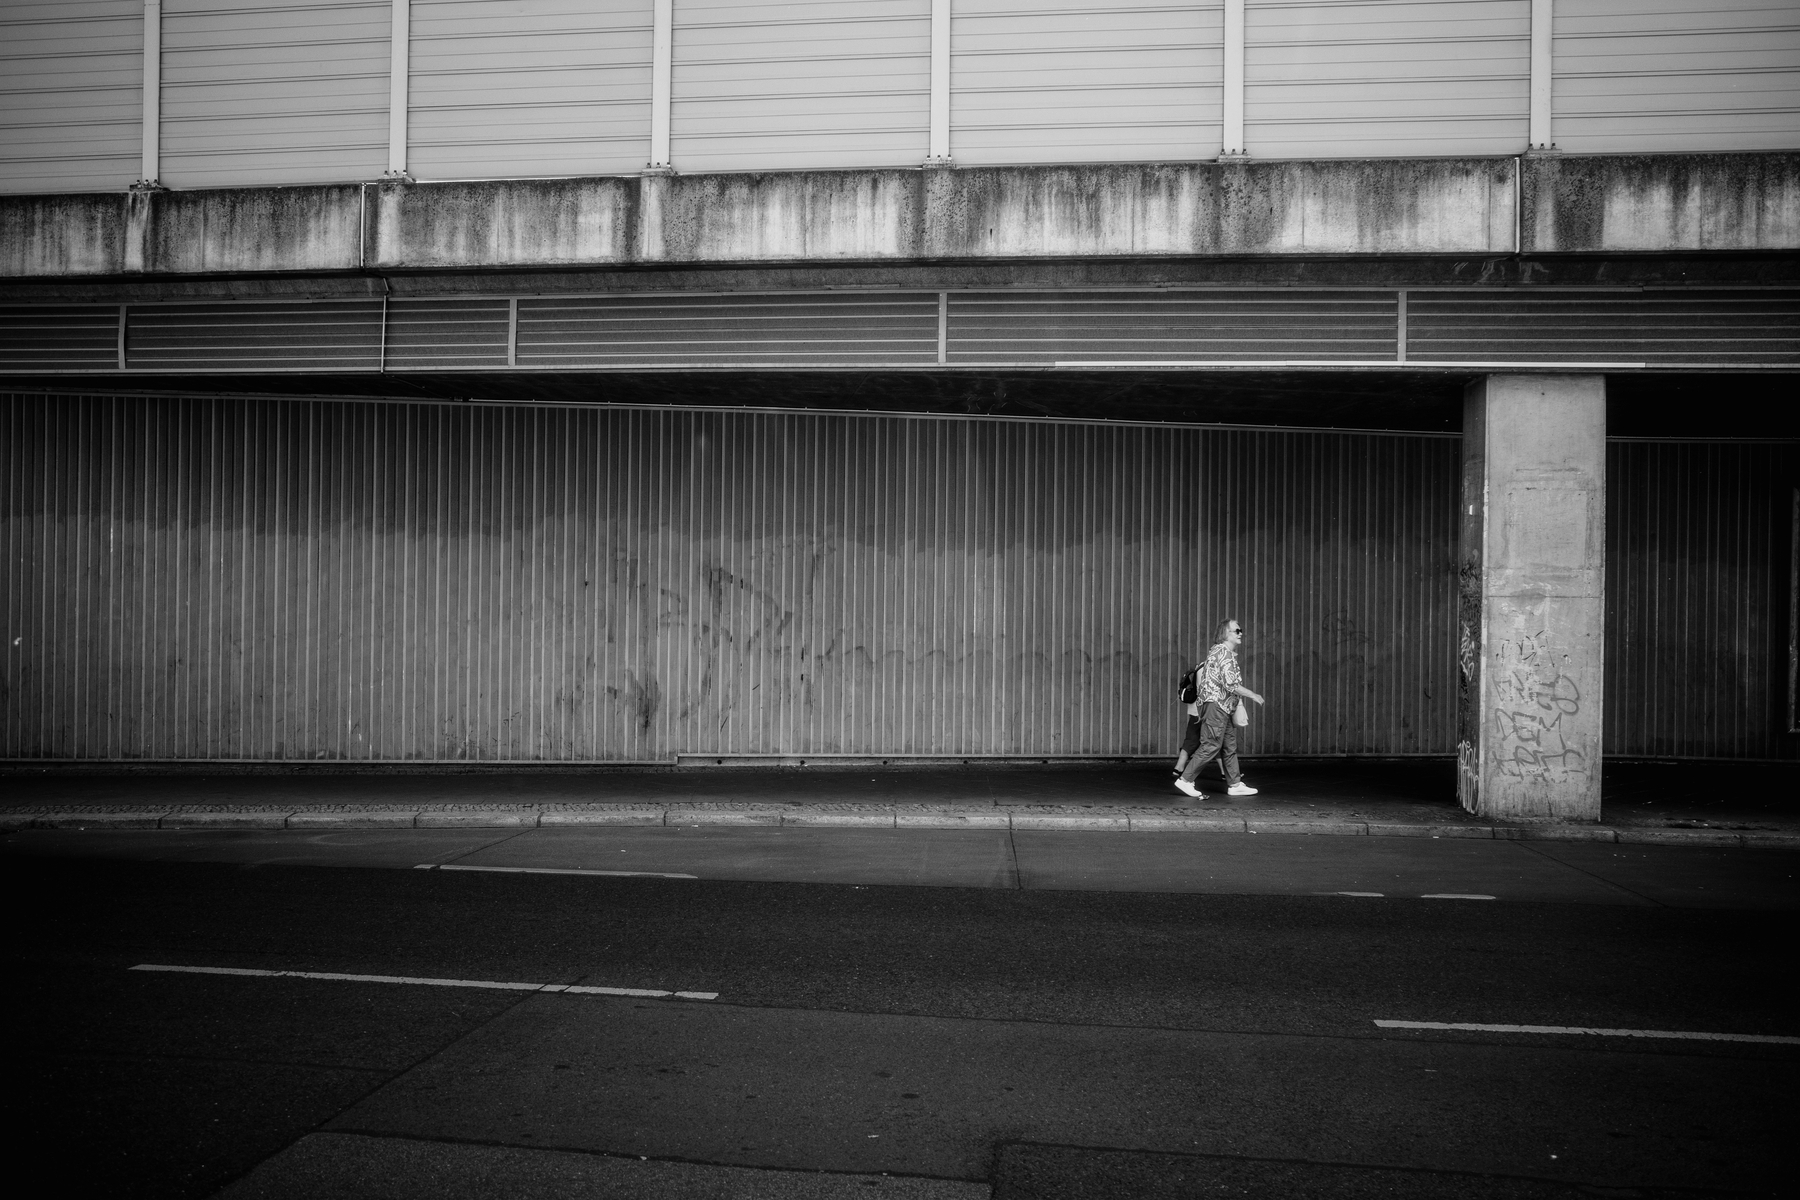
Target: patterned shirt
1219, 675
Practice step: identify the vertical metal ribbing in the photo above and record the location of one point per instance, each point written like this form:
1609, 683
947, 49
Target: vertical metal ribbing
1793, 645
1698, 548
481, 582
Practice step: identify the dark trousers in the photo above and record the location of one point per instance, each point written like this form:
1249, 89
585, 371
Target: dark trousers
1217, 737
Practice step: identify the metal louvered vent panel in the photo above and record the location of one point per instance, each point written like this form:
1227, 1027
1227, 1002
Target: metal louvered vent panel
1571, 326
446, 334
803, 330
46, 337
262, 336
1234, 326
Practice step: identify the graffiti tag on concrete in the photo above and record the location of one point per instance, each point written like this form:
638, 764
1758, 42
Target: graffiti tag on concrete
1532, 696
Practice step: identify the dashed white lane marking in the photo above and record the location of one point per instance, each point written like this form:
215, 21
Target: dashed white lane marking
549, 871
1454, 896
492, 984
1579, 1029
1374, 895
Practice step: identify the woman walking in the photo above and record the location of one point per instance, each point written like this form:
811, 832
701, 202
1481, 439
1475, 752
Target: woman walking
1221, 691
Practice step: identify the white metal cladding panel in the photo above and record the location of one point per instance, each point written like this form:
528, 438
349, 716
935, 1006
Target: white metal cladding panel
220, 578
1068, 81
1276, 325
821, 329
272, 93
504, 89
1386, 78
59, 337
762, 86
1748, 328
71, 95
1666, 75
268, 335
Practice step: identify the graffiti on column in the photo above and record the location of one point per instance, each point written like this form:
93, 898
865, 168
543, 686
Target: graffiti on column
1468, 623
1532, 698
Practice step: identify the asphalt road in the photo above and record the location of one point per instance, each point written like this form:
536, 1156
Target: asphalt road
1049, 1019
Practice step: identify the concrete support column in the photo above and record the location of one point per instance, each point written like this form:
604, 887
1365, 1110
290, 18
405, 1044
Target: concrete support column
1531, 612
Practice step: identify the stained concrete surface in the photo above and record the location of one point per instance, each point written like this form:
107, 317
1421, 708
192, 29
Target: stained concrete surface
1474, 206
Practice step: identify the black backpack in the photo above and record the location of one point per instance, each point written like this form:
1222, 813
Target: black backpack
1188, 689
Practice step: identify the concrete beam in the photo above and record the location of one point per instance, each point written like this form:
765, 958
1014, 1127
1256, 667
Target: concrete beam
1659, 202
509, 223
284, 229
1531, 611
804, 216
1480, 208
56, 237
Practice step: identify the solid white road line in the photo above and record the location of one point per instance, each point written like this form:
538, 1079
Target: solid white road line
1454, 896
1637, 1033
549, 871
493, 984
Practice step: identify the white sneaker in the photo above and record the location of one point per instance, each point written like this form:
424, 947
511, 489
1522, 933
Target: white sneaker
1184, 786
1240, 789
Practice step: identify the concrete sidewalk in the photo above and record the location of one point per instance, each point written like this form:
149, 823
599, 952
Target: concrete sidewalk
1714, 805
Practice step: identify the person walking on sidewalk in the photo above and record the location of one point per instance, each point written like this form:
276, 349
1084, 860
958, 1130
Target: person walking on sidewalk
1187, 694
1221, 691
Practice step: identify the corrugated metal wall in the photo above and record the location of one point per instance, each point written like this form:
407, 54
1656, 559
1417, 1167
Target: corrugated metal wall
770, 85
71, 95
1071, 81
218, 578
1697, 592
501, 89
1386, 78
271, 93
1662, 75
